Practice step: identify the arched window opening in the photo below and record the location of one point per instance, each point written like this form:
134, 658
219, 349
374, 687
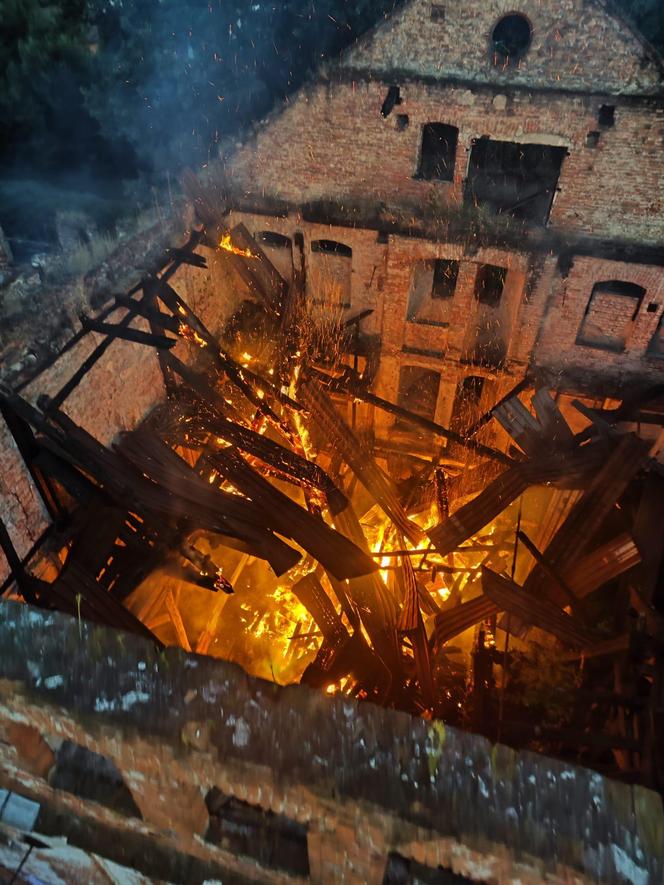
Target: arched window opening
272, 239
510, 40
331, 247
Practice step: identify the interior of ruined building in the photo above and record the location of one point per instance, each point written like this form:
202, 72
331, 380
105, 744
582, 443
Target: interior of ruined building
355, 475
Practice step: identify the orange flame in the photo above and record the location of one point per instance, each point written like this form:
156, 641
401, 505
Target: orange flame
225, 243
185, 331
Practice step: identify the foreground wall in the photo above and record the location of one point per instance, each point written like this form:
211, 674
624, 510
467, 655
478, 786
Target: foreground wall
360, 780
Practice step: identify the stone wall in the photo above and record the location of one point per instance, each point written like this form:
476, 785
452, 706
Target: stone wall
359, 780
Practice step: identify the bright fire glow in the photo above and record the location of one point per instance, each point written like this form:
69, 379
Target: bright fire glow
225, 243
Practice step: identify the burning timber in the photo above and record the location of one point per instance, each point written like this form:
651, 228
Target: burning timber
252, 516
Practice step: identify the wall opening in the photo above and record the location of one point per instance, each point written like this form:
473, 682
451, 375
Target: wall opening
404, 871
466, 409
330, 274
510, 40
438, 152
279, 249
418, 391
610, 314
392, 99
656, 344
514, 179
273, 840
607, 116
489, 284
433, 283
92, 776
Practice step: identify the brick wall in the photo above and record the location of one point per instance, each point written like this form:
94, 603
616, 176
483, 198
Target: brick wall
331, 143
557, 347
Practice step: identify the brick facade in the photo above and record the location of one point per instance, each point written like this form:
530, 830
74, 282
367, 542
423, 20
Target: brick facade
587, 85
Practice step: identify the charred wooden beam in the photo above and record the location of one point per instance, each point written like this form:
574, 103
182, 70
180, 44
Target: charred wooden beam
333, 550
357, 390
271, 453
357, 457
126, 333
313, 597
255, 268
569, 596
29, 450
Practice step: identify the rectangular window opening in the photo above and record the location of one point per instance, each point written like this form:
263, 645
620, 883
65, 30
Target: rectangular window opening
610, 313
432, 289
489, 284
438, 153
513, 179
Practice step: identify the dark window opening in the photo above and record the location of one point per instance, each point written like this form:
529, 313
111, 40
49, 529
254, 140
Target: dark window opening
610, 313
445, 273
439, 144
273, 239
489, 284
273, 840
592, 139
437, 13
510, 39
418, 392
470, 388
432, 287
402, 122
652, 307
514, 179
607, 116
91, 776
403, 871
331, 247
392, 99
656, 344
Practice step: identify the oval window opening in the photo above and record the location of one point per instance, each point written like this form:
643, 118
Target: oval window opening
510, 39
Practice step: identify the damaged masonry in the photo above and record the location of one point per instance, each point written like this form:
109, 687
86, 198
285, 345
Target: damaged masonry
384, 428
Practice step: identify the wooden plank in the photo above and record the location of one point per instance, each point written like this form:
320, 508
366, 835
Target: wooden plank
587, 515
487, 416
505, 489
594, 569
523, 427
453, 621
539, 612
554, 427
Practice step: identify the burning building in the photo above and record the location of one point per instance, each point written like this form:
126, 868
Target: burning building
385, 422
